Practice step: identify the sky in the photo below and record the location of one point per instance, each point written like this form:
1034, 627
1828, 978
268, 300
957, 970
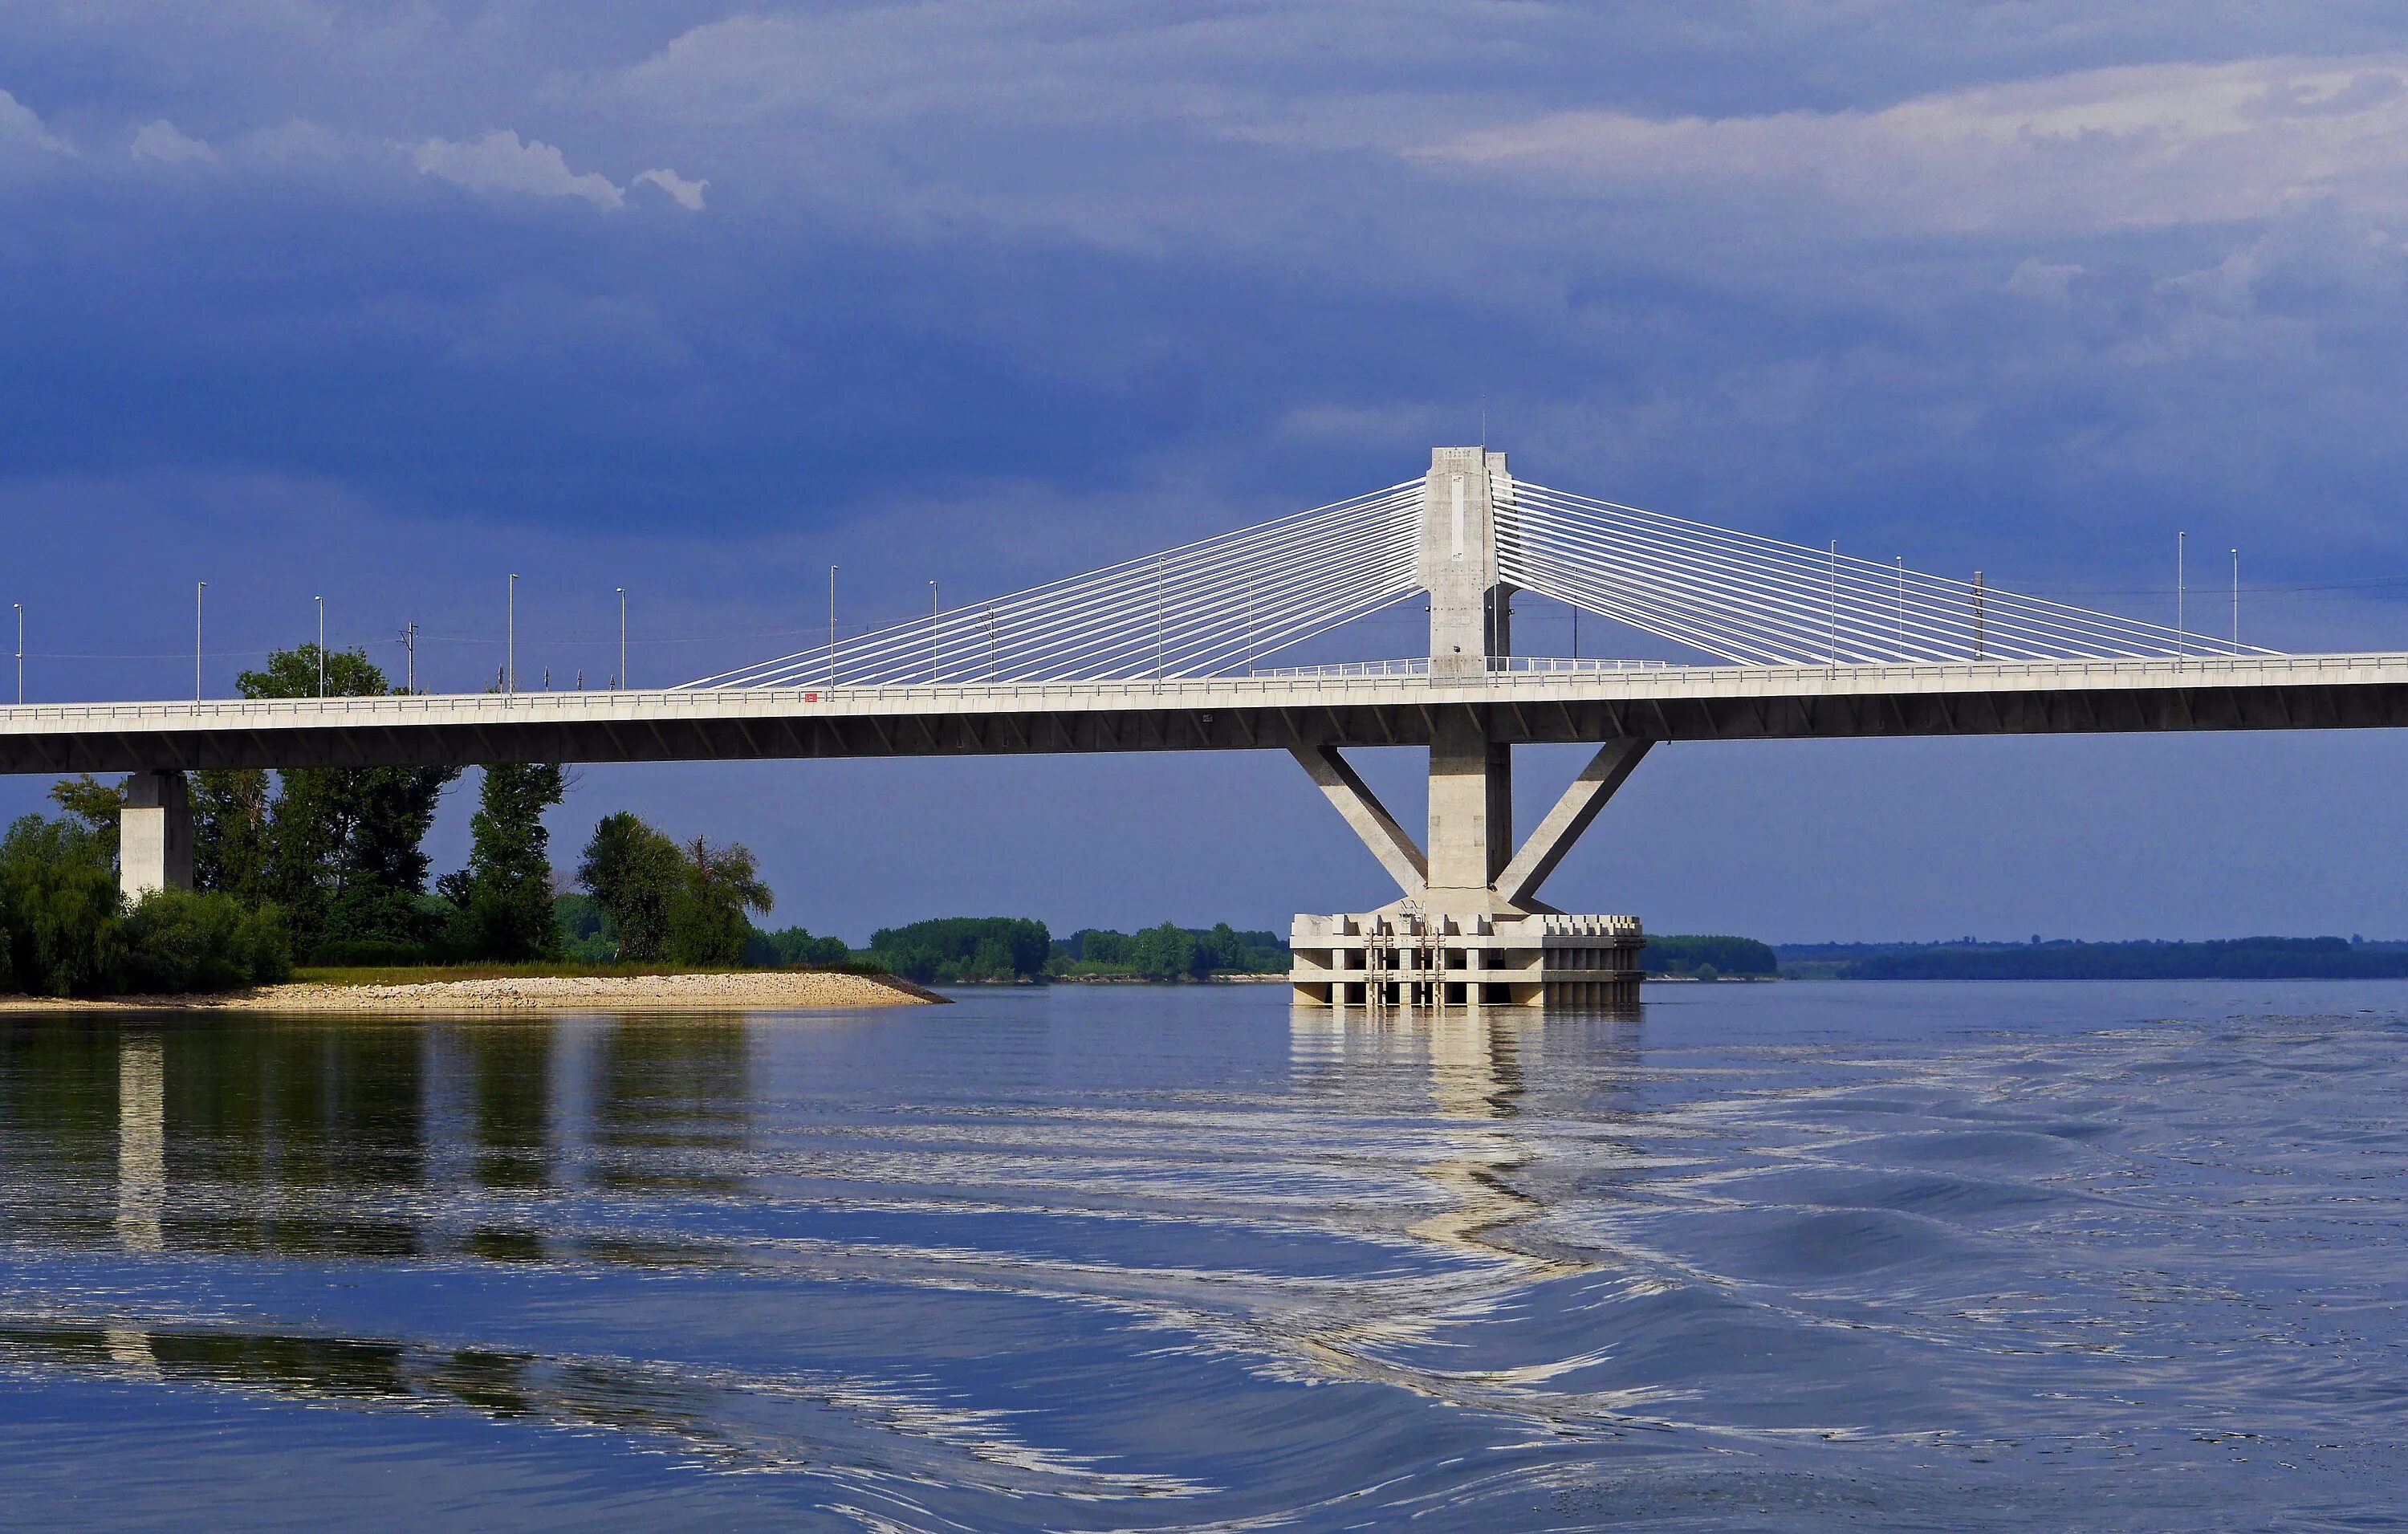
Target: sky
380, 303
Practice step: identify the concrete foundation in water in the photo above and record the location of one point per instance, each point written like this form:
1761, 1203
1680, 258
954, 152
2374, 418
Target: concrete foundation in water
1396, 960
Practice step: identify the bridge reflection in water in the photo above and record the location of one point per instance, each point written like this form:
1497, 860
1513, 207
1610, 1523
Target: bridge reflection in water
300, 1140
1472, 1066
757, 1242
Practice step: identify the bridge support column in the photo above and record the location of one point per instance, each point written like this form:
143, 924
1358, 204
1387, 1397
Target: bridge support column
1470, 812
1469, 932
155, 834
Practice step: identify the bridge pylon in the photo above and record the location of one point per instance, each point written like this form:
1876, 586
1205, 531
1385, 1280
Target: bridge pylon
1467, 931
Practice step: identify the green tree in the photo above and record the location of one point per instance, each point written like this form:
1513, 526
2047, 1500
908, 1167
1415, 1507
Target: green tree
635, 872
179, 940
1163, 952
964, 948
794, 945
230, 822
505, 895
584, 929
343, 847
1708, 956
98, 806
707, 921
60, 908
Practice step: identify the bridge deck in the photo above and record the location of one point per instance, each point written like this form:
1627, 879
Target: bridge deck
1373, 705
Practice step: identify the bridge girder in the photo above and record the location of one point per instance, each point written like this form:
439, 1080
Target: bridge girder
805, 732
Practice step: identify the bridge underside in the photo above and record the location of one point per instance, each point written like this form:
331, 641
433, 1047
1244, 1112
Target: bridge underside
546, 730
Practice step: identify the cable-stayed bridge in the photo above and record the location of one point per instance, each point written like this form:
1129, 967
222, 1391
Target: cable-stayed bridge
1192, 649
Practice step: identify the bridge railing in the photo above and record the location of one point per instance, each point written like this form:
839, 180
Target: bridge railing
1323, 684
1419, 667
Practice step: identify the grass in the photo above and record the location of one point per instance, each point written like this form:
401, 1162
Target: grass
437, 974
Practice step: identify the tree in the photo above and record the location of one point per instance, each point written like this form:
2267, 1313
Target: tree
505, 896
707, 921
1163, 952
98, 806
60, 908
340, 848
964, 948
230, 810
180, 941
635, 871
794, 945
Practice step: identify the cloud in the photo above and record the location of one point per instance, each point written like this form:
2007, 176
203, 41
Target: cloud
501, 162
688, 195
2129, 148
19, 125
161, 141
2050, 282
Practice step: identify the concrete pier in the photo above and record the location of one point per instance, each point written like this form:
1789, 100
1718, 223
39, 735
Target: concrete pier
1468, 932
1397, 960
154, 836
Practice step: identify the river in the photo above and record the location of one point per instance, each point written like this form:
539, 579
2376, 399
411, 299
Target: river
1783, 1257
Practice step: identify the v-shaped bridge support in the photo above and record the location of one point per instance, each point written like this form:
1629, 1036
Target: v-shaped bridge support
1473, 835
1390, 843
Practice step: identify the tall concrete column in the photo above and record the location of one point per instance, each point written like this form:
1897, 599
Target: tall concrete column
1471, 612
1470, 777
1470, 812
154, 836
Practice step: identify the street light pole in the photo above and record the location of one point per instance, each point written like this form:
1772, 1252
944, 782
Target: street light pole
199, 589
510, 643
2236, 601
933, 651
21, 651
622, 635
321, 645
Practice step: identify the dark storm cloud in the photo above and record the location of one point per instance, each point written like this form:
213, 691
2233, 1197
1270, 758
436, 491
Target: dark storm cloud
989, 292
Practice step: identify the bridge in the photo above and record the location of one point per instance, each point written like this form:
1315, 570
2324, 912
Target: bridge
1176, 652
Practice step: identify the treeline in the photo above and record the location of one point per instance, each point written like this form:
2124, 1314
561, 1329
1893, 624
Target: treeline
326, 866
1709, 957
1168, 952
996, 950
2237, 958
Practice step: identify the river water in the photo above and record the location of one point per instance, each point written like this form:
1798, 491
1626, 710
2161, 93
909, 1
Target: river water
1767, 1256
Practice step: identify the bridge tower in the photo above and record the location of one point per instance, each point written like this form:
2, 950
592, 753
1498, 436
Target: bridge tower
1467, 931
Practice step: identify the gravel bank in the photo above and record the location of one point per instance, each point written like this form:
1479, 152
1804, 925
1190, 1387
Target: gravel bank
762, 991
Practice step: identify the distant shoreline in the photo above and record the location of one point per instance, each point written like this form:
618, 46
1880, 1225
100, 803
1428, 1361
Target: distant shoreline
708, 991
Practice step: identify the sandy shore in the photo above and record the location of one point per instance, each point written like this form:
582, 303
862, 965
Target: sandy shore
765, 991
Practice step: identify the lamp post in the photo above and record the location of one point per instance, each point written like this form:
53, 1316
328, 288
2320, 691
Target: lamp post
322, 644
21, 651
199, 589
2236, 601
623, 634
933, 652
510, 643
